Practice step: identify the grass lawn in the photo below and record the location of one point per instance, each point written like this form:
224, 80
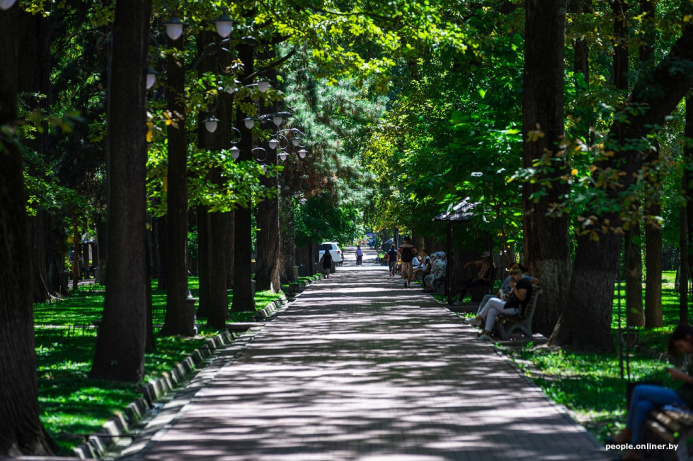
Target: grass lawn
74, 406
590, 385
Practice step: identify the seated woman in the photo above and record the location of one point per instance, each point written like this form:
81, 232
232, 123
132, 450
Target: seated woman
516, 302
424, 268
505, 289
647, 397
483, 278
437, 271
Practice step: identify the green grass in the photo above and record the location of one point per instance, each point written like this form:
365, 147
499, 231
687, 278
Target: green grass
74, 406
590, 385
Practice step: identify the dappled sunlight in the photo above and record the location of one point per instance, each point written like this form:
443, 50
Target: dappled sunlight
358, 369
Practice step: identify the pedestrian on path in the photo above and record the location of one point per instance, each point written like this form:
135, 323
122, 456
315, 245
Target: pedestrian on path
407, 252
359, 256
392, 257
326, 261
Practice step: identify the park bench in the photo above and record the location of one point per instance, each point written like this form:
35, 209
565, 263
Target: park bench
508, 324
669, 425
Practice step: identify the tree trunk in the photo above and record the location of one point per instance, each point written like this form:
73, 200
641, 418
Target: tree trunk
288, 251
202, 264
653, 270
176, 321
160, 250
596, 258
34, 78
653, 232
21, 431
268, 238
546, 242
633, 276
243, 299
121, 340
687, 217
230, 249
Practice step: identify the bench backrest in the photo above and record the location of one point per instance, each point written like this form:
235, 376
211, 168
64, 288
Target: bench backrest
532, 305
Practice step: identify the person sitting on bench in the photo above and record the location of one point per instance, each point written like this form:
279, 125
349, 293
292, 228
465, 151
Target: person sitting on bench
515, 304
505, 289
647, 397
483, 278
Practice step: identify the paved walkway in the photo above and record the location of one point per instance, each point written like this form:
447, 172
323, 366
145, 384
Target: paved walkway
360, 368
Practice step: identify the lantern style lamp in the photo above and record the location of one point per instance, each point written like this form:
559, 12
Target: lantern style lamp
174, 28
211, 123
235, 152
224, 25
302, 153
273, 143
151, 76
283, 155
249, 122
6, 4
263, 85
277, 119
295, 141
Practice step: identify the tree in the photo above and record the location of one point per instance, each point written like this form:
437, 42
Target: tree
120, 343
546, 242
21, 431
654, 96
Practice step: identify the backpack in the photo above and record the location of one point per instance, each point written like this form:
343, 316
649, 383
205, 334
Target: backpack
407, 255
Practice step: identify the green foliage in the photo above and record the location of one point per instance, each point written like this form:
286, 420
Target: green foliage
321, 220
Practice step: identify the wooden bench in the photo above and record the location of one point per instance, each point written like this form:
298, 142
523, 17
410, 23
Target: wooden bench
669, 425
508, 324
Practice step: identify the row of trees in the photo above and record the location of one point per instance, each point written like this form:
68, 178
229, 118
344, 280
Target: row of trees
96, 149
566, 124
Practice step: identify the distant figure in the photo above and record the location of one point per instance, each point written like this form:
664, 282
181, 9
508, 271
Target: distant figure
392, 256
359, 256
407, 252
326, 261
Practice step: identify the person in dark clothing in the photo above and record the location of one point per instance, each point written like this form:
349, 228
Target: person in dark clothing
392, 256
647, 397
516, 302
326, 261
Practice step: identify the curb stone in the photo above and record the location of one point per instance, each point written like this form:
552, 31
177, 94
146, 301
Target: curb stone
116, 428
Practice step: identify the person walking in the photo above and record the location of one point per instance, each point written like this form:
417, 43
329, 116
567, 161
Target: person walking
392, 257
326, 261
407, 252
359, 256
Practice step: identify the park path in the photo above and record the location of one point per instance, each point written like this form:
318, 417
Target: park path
360, 368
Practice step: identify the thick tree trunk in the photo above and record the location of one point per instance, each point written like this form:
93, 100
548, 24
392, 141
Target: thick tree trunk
160, 251
288, 251
121, 340
243, 299
21, 431
596, 259
633, 276
230, 249
546, 242
177, 321
268, 238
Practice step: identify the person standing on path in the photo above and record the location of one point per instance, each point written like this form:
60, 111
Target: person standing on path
326, 261
359, 256
407, 252
392, 257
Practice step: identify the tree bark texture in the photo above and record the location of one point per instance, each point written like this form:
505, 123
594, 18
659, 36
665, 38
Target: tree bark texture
230, 249
546, 242
288, 237
177, 320
21, 431
217, 310
268, 238
202, 265
687, 217
596, 261
243, 299
122, 335
632, 255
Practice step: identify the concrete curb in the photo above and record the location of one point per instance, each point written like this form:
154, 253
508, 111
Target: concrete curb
116, 428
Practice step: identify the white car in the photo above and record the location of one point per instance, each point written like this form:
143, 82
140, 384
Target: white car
334, 251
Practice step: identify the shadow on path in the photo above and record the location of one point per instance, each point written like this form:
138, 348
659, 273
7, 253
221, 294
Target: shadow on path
360, 368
